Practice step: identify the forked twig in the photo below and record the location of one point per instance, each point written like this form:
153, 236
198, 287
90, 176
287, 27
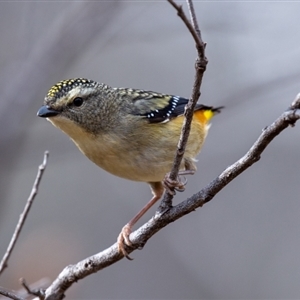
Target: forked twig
200, 67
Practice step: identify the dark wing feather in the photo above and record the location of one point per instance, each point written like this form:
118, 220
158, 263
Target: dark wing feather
157, 107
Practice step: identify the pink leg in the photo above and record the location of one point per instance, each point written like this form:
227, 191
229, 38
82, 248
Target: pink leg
123, 238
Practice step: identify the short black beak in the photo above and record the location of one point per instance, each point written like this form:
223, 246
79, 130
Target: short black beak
47, 112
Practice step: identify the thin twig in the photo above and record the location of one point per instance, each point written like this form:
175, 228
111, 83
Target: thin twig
194, 19
200, 67
9, 294
37, 289
30, 291
95, 263
24, 214
195, 32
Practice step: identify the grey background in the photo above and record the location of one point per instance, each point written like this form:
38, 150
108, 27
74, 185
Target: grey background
242, 245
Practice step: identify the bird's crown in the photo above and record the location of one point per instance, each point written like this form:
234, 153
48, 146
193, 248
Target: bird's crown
63, 87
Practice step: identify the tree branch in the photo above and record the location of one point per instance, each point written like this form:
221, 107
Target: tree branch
200, 67
9, 294
31, 291
99, 261
24, 214
192, 27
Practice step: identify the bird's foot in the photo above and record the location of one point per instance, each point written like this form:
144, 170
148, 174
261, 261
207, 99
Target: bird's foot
176, 185
124, 240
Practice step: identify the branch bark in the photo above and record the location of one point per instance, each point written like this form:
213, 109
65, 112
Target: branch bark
200, 67
9, 294
24, 214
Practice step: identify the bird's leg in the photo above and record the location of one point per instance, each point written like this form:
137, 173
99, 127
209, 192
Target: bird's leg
123, 238
177, 185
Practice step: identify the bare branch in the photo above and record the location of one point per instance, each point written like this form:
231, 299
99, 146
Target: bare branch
9, 294
192, 27
200, 67
30, 291
97, 262
24, 214
35, 289
194, 19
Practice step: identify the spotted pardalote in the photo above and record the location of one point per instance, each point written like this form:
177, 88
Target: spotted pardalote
130, 133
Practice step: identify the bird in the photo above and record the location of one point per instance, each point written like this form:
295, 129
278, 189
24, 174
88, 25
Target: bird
130, 133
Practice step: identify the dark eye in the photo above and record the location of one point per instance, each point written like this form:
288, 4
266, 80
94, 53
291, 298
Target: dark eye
78, 101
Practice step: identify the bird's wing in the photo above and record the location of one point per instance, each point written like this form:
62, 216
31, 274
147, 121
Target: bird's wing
157, 107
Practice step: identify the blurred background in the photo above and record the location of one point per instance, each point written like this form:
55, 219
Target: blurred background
245, 243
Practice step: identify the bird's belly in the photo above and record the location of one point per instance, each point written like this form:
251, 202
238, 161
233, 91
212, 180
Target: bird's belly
147, 164
114, 155
134, 166
133, 171
146, 159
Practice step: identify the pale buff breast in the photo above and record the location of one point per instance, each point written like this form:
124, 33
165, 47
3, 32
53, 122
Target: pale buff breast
147, 158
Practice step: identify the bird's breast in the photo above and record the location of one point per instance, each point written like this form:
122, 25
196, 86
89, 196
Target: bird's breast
140, 155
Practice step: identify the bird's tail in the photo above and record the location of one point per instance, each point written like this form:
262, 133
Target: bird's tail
207, 112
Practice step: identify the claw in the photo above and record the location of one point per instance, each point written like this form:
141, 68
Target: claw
182, 184
123, 240
174, 185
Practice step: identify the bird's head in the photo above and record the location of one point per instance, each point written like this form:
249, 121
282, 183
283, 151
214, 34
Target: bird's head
76, 104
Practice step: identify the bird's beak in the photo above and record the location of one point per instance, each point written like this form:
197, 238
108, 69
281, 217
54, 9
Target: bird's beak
47, 112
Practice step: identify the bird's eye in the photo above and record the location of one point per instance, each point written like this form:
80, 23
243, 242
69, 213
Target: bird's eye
78, 101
